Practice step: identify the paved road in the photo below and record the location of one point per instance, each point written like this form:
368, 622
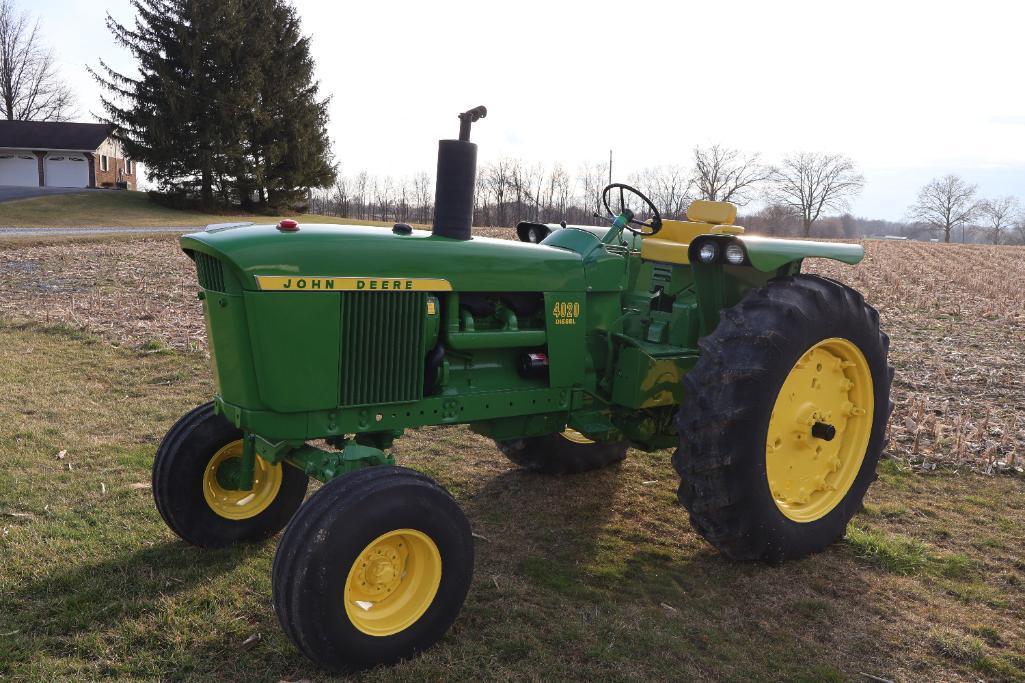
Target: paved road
61, 232
12, 192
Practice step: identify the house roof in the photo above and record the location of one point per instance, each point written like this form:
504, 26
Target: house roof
52, 135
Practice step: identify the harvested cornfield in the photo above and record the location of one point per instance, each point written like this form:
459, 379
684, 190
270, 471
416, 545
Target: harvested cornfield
955, 315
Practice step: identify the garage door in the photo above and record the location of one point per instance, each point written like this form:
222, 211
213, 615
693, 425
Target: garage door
66, 170
18, 169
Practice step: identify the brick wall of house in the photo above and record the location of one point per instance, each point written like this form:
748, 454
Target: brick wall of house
117, 166
115, 172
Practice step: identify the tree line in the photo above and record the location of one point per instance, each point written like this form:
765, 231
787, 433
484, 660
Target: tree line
802, 188
949, 203
806, 194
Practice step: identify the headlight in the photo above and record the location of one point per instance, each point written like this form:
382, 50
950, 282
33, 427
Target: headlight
708, 252
735, 254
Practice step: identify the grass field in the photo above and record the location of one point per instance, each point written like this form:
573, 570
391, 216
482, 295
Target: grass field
111, 208
592, 577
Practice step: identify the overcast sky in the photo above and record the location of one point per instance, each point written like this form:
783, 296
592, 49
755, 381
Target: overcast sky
910, 90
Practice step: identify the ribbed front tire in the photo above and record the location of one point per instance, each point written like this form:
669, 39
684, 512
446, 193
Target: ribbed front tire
374, 568
182, 485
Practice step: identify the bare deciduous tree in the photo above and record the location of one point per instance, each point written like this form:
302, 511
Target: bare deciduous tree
774, 219
944, 204
342, 198
1019, 229
669, 187
592, 178
1000, 215
809, 183
558, 192
30, 88
726, 175
423, 196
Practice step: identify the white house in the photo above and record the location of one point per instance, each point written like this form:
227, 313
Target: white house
55, 154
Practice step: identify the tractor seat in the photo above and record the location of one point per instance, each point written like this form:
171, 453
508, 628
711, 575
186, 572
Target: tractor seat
672, 242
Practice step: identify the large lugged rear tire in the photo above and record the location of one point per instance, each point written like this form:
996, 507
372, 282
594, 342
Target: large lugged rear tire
374, 568
784, 419
568, 452
190, 497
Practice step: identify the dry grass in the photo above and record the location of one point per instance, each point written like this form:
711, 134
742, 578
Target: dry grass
592, 577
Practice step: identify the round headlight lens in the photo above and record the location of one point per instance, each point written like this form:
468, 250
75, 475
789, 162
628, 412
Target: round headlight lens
708, 252
735, 254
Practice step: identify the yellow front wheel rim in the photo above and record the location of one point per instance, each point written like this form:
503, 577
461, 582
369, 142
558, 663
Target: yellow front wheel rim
819, 430
392, 582
234, 504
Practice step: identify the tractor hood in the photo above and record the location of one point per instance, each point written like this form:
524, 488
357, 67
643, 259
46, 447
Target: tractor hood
263, 257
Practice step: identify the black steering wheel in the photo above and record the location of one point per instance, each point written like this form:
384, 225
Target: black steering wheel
644, 228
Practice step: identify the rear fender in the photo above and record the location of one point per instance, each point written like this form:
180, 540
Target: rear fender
769, 254
720, 284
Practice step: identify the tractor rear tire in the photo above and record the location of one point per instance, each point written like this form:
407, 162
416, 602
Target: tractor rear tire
775, 454
190, 499
567, 452
373, 569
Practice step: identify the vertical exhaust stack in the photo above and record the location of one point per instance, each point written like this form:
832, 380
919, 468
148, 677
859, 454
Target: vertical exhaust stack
456, 177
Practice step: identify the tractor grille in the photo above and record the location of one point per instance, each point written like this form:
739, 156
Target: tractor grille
382, 347
210, 272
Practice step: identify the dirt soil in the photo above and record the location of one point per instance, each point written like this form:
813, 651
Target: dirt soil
955, 315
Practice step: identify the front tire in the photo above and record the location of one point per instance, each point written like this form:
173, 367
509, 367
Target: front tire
191, 498
373, 569
784, 420
567, 452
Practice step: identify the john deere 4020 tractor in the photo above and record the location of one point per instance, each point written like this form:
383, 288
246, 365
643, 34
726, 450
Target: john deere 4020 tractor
771, 385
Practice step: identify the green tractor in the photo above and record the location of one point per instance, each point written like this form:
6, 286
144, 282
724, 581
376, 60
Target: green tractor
771, 385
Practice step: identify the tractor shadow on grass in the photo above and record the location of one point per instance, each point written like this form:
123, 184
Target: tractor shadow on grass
538, 524
79, 598
600, 543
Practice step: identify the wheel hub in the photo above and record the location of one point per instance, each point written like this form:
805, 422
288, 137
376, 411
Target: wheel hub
235, 504
818, 432
824, 431
392, 582
380, 569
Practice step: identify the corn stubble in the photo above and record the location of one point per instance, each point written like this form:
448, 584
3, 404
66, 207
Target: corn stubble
955, 315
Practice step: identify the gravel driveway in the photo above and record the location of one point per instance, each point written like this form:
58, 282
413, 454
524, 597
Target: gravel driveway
58, 232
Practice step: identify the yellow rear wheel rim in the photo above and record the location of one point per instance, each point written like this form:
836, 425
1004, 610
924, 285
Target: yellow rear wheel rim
809, 475
234, 504
392, 582
574, 436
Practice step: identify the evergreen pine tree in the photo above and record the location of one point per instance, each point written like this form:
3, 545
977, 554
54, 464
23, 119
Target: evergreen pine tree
225, 105
289, 146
